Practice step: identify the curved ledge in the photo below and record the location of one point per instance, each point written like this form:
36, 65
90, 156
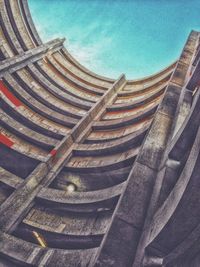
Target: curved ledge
41, 77
29, 22
19, 252
42, 95
110, 147
113, 124
55, 65
80, 198
182, 191
106, 136
15, 87
133, 103
34, 123
141, 80
103, 163
9, 178
69, 57
155, 75
76, 73
21, 131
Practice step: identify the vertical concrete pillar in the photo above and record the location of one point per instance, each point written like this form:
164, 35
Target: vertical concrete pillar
124, 243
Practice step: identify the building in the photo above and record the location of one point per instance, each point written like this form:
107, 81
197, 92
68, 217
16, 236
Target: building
95, 171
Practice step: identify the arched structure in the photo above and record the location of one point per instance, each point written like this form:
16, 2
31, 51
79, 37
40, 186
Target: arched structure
95, 171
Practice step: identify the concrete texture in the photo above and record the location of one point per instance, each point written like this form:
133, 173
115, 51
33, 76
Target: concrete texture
95, 171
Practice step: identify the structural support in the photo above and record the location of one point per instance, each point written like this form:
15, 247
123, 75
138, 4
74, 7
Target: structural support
22, 199
15, 63
94, 171
124, 243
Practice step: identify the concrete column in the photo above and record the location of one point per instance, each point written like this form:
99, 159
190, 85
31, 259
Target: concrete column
124, 243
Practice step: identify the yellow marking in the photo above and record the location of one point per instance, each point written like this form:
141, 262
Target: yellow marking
40, 239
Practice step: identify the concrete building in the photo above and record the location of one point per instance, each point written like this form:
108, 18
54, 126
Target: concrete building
95, 171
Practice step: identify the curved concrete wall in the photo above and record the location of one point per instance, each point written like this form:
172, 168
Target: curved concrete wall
86, 162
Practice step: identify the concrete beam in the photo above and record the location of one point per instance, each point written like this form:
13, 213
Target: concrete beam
15, 63
22, 199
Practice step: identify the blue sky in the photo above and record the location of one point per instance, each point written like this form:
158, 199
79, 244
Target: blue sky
110, 37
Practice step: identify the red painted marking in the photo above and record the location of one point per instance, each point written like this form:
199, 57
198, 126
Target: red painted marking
9, 95
53, 152
5, 140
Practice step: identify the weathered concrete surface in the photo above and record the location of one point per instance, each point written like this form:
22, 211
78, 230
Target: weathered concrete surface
12, 211
133, 207
98, 149
12, 64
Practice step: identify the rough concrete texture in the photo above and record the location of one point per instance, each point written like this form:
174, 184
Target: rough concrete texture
95, 171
